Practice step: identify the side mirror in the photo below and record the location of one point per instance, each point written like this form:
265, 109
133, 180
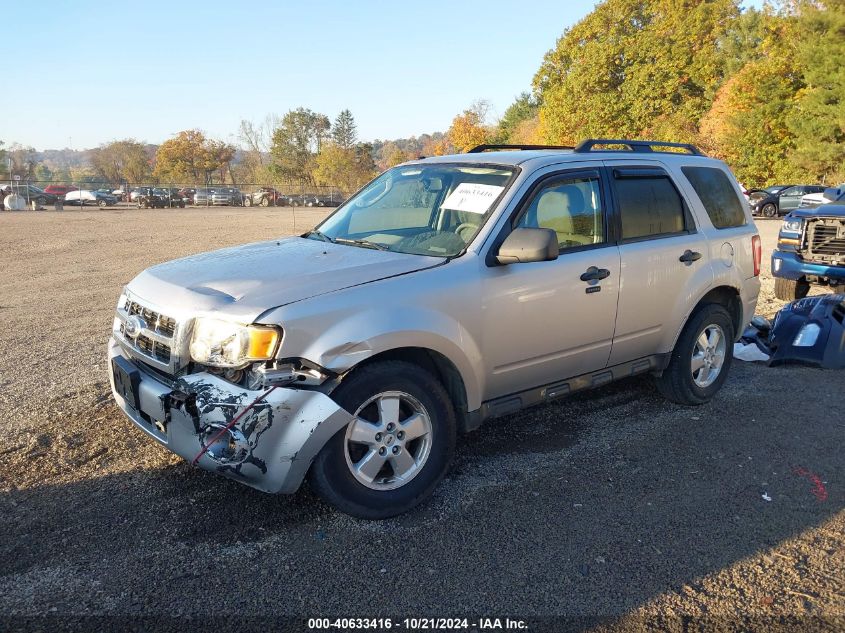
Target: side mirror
528, 245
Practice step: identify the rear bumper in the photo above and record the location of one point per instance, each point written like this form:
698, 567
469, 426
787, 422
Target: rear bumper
790, 266
270, 448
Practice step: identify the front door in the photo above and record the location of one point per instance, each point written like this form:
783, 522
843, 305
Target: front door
790, 199
542, 321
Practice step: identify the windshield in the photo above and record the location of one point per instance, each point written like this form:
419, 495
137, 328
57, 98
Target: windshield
419, 209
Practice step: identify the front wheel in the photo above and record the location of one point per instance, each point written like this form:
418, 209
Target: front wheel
265, 202
769, 210
102, 203
396, 449
701, 359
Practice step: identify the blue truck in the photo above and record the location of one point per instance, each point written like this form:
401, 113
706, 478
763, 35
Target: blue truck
810, 250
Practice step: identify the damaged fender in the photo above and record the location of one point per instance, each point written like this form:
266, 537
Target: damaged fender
270, 448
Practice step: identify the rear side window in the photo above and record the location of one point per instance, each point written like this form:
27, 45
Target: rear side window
649, 204
717, 195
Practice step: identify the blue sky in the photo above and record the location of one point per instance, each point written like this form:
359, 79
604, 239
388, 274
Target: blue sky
93, 72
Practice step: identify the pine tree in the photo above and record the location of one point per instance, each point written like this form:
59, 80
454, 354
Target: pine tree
345, 131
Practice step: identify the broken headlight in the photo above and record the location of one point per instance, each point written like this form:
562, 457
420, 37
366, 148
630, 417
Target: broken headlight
225, 344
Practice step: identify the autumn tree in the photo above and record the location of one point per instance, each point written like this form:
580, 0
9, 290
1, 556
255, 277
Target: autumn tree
632, 66
344, 131
818, 119
190, 157
121, 161
256, 140
345, 167
747, 124
469, 128
296, 141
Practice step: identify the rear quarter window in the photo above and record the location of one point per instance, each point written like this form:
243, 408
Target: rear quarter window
718, 196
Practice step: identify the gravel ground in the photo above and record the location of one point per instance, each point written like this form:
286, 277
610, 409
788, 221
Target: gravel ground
610, 510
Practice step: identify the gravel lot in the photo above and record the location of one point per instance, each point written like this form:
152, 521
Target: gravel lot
612, 509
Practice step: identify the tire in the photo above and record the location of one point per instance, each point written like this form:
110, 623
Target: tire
247, 202
769, 210
265, 201
102, 203
336, 474
682, 384
790, 289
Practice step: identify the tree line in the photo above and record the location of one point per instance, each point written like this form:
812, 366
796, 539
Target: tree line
763, 90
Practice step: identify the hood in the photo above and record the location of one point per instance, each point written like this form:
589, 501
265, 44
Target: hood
244, 281
831, 210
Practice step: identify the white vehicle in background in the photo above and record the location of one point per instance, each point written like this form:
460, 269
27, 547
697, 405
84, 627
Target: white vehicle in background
831, 194
86, 196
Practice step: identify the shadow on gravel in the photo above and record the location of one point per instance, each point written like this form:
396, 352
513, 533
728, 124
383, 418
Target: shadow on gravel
590, 506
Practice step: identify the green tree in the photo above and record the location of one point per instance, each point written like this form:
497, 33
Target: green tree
634, 66
524, 108
818, 119
295, 143
345, 132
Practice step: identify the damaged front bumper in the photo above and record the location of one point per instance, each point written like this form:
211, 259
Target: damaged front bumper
269, 448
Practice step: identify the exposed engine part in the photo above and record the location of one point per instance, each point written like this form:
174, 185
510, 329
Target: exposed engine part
288, 373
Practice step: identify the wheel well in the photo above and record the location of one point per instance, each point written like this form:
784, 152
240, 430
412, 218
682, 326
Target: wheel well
437, 365
728, 297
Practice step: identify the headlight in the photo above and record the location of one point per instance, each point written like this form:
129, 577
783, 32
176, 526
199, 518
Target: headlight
226, 344
792, 225
807, 335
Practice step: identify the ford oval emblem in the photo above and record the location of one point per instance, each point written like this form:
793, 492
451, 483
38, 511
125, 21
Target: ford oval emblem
133, 326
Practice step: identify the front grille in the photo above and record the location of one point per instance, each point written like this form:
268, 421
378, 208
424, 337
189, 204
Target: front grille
156, 342
156, 322
826, 240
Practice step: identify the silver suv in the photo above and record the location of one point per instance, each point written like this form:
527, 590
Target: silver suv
448, 291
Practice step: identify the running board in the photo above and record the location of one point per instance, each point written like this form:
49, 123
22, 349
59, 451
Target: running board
507, 405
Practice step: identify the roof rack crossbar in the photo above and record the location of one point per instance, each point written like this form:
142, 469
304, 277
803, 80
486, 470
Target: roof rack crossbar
634, 145
486, 148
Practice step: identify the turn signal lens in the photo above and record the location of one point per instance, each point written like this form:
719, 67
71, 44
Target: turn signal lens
262, 342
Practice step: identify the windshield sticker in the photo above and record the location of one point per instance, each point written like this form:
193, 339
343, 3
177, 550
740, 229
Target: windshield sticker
472, 197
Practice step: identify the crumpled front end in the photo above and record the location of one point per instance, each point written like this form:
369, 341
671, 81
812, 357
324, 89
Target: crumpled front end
270, 447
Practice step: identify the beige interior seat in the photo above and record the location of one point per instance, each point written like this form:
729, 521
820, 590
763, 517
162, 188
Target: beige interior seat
556, 209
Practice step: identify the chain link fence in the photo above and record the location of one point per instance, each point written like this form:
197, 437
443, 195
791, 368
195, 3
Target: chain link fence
46, 193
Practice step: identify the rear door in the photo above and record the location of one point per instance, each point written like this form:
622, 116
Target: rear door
545, 321
663, 258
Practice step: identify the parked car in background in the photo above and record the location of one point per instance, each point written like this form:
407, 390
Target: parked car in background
227, 196
187, 193
831, 194
264, 197
139, 191
86, 196
779, 199
31, 193
161, 198
810, 251
202, 196
59, 190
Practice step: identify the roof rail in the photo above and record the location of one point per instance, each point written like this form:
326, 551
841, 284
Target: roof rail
634, 146
486, 148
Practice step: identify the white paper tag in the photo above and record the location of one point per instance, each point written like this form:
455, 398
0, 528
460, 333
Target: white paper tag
472, 197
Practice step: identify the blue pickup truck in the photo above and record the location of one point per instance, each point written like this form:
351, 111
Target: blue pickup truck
810, 250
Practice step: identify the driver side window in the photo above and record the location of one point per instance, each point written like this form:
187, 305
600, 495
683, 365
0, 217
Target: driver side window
572, 208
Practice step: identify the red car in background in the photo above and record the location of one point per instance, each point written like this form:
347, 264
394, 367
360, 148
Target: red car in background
59, 190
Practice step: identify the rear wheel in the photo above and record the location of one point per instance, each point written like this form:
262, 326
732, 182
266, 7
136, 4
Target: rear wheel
102, 203
247, 202
396, 449
791, 289
701, 359
265, 201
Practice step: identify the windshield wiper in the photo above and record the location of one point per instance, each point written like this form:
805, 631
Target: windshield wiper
364, 243
319, 234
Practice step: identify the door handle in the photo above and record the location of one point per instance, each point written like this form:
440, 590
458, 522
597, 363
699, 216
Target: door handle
689, 256
595, 274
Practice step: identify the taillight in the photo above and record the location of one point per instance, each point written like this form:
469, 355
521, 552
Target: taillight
757, 249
